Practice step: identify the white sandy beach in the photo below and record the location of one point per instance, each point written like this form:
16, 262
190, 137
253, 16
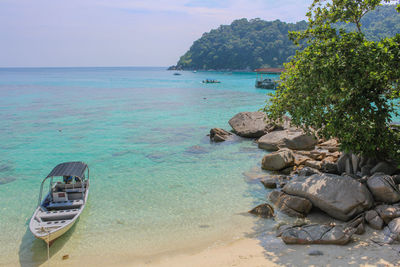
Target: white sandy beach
261, 250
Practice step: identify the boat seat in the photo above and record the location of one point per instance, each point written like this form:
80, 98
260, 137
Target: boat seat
57, 215
70, 204
52, 223
60, 197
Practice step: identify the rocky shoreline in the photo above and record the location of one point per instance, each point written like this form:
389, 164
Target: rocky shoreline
312, 175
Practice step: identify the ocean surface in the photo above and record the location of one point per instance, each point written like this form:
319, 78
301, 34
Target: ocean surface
158, 185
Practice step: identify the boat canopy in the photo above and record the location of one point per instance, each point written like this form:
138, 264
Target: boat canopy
69, 169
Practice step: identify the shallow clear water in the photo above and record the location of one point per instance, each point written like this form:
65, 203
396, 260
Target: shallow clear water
157, 183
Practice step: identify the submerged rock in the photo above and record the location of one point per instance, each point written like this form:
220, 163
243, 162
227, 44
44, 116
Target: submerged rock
250, 124
263, 210
383, 188
318, 234
6, 180
341, 197
279, 160
196, 150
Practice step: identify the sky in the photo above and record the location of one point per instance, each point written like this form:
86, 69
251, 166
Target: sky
79, 33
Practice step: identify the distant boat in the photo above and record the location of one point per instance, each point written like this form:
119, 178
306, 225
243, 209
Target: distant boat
64, 202
177, 73
211, 81
195, 71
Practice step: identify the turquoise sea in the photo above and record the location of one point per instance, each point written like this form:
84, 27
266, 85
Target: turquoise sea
158, 185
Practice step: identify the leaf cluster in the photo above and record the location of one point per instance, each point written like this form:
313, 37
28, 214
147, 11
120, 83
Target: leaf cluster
341, 83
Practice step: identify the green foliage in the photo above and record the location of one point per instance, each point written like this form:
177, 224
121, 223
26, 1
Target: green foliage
243, 44
341, 83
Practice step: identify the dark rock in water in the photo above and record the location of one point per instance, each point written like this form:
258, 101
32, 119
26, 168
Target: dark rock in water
374, 220
383, 188
250, 124
219, 135
291, 205
318, 234
274, 181
315, 253
279, 160
341, 197
196, 150
388, 212
263, 210
384, 167
6, 180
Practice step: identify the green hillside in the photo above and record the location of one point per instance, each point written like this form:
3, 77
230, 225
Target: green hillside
250, 44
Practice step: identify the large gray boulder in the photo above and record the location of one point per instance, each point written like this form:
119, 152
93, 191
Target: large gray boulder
296, 140
276, 161
318, 234
250, 124
341, 197
383, 188
291, 205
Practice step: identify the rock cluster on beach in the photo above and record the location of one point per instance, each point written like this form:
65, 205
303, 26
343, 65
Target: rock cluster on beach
307, 173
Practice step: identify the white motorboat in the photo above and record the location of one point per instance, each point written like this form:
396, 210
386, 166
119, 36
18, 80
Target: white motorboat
64, 202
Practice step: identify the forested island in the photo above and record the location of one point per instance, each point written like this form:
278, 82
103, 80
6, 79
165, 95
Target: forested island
249, 44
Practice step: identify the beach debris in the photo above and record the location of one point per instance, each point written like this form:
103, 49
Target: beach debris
263, 210
279, 160
219, 135
315, 253
291, 205
318, 234
383, 188
341, 197
65, 257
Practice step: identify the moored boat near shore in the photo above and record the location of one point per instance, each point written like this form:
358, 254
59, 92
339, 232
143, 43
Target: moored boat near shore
64, 202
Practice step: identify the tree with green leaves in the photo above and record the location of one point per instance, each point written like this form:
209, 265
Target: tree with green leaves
342, 84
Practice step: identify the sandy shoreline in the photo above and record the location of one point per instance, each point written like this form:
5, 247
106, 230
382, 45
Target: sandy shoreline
263, 249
